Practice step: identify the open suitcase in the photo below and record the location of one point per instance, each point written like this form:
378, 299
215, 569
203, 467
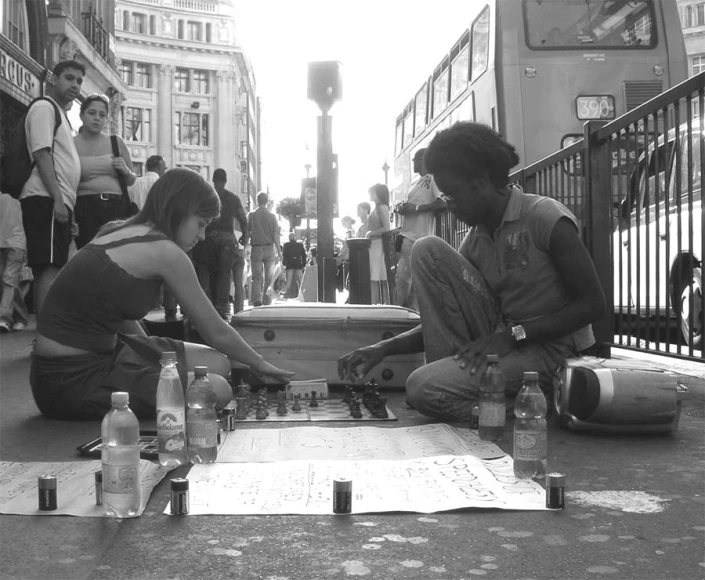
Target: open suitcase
308, 338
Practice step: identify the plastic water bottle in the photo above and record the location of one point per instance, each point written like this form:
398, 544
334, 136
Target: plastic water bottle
120, 455
171, 414
530, 440
492, 401
201, 419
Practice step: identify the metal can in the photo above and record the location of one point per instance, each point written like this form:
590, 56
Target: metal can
342, 496
179, 497
98, 488
555, 491
228, 419
475, 418
47, 493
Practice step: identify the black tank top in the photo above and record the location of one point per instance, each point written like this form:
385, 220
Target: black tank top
92, 296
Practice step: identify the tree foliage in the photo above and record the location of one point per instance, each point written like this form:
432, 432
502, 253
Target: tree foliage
291, 209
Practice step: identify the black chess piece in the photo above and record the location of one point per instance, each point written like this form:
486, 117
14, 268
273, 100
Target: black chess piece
297, 404
281, 403
241, 411
348, 394
313, 402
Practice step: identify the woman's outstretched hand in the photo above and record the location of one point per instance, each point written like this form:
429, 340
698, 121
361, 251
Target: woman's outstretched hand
267, 370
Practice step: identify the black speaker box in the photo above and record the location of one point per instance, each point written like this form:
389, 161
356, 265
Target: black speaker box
324, 81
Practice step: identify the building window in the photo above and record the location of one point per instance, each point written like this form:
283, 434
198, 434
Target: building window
143, 75
695, 15
697, 64
139, 23
126, 71
180, 29
200, 82
126, 21
192, 129
16, 23
136, 124
181, 80
153, 25
193, 31
209, 33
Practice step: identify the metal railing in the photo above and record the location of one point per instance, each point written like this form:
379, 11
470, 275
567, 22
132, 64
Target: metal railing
634, 184
95, 32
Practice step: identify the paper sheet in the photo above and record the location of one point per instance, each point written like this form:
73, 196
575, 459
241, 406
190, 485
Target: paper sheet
425, 485
75, 487
353, 443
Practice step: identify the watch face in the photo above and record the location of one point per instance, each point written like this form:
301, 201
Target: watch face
518, 332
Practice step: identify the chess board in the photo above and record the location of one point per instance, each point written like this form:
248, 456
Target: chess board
327, 410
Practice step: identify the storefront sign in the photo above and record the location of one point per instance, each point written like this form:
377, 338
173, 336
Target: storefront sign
18, 75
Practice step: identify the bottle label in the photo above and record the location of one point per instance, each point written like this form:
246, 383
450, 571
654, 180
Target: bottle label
530, 445
493, 414
120, 478
202, 434
170, 430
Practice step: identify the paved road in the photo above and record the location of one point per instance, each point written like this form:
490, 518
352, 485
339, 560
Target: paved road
635, 510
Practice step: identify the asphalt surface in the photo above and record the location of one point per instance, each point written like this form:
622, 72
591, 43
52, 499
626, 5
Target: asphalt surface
634, 510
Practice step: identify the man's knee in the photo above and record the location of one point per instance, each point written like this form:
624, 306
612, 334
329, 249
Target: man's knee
416, 386
427, 246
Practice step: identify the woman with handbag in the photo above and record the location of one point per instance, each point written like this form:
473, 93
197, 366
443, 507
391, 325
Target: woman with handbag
106, 171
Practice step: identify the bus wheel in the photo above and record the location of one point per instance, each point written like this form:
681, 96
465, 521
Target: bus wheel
691, 309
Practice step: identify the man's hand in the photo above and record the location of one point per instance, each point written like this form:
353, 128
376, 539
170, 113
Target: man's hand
474, 355
356, 364
61, 214
406, 208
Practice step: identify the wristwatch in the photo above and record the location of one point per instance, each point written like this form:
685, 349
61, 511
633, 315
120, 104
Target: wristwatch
518, 333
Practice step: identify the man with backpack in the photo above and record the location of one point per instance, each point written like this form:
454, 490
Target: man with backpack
49, 195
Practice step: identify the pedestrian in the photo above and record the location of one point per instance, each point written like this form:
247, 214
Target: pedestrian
522, 285
155, 166
294, 260
48, 197
377, 227
99, 197
423, 201
363, 212
89, 340
13, 311
266, 249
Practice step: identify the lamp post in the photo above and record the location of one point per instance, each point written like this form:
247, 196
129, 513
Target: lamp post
385, 168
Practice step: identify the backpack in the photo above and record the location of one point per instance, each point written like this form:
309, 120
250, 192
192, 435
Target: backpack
17, 164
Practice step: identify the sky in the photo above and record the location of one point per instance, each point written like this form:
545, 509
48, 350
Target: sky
387, 48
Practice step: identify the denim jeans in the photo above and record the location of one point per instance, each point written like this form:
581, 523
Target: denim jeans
225, 248
456, 307
12, 305
403, 293
263, 259
238, 281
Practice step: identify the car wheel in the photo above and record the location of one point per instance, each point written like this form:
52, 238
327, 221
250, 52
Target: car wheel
691, 309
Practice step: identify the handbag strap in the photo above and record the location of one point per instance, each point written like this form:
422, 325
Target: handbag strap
120, 176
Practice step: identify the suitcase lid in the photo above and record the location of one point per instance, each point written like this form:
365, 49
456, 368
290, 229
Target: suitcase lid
323, 311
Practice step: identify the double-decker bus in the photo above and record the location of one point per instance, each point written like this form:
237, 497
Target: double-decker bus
536, 70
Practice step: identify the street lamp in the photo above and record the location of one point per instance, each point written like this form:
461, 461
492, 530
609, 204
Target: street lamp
385, 168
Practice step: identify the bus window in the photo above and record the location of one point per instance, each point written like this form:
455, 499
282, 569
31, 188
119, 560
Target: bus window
421, 102
440, 93
552, 24
480, 43
459, 70
408, 128
398, 145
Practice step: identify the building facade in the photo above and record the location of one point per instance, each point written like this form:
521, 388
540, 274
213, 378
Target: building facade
191, 92
36, 35
692, 14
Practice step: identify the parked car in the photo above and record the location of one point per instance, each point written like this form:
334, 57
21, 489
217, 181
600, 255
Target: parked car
658, 245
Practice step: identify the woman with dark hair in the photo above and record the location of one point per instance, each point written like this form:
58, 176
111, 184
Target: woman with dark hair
99, 197
377, 226
521, 286
89, 340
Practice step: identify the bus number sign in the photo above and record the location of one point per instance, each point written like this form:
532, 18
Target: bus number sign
595, 107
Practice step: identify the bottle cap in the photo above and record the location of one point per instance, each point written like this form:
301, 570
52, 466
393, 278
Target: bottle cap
120, 398
531, 376
46, 481
555, 479
342, 484
200, 371
168, 355
179, 484
492, 358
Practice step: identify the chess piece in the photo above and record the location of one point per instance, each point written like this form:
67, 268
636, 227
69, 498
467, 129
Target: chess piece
355, 411
241, 411
348, 394
313, 402
297, 404
379, 411
281, 403
261, 412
